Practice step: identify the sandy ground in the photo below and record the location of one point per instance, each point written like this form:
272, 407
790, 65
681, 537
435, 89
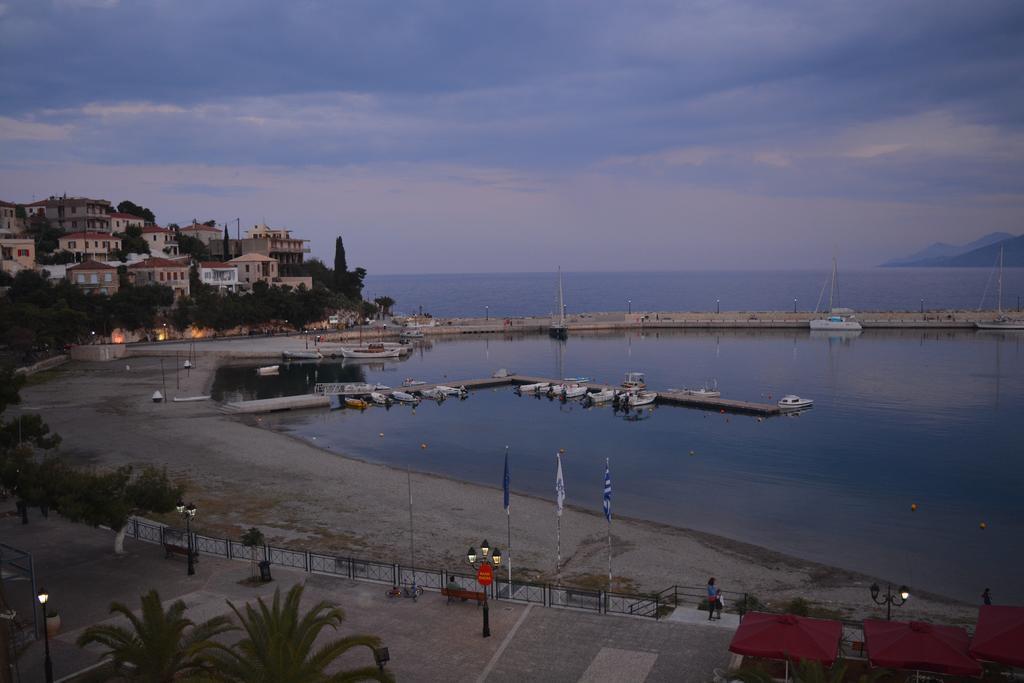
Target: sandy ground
240, 475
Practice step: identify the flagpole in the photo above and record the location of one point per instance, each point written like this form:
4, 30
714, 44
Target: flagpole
608, 515
559, 498
508, 518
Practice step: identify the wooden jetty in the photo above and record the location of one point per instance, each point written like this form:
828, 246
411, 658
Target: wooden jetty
319, 399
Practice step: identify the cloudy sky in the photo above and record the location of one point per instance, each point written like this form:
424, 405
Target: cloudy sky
473, 136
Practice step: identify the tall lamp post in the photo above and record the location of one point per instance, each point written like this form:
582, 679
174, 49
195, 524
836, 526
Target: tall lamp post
187, 512
629, 305
486, 562
718, 306
794, 304
890, 598
487, 312
48, 665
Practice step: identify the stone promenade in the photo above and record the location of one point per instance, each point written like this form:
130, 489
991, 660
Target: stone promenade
428, 639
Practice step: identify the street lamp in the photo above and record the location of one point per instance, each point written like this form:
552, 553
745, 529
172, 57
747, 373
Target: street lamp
717, 305
43, 597
794, 304
629, 305
485, 575
187, 512
487, 312
890, 598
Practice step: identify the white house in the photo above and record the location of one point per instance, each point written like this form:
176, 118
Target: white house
224, 276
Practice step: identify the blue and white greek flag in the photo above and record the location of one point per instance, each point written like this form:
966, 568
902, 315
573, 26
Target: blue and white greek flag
607, 492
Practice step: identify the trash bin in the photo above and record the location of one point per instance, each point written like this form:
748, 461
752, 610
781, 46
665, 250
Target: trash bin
265, 571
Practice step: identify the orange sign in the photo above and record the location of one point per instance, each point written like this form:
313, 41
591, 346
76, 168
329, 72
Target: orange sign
485, 577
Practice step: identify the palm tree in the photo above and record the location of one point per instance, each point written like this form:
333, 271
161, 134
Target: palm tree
278, 645
159, 646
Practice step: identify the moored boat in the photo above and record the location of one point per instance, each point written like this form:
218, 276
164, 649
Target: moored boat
452, 391
369, 351
379, 398
356, 403
598, 397
433, 394
302, 355
1002, 321
641, 398
532, 388
404, 397
634, 380
574, 391
836, 319
268, 370
706, 391
793, 402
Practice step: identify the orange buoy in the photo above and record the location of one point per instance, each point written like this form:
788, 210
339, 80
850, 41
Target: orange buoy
913, 507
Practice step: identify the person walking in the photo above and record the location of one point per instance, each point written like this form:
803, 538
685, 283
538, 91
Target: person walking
986, 597
712, 598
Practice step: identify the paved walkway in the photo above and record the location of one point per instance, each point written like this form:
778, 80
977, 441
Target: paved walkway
428, 640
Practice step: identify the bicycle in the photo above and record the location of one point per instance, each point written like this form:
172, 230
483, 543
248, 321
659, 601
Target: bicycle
406, 591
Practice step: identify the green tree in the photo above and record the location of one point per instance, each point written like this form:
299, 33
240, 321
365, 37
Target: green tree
385, 303
250, 539
136, 210
132, 241
193, 246
278, 645
157, 647
44, 233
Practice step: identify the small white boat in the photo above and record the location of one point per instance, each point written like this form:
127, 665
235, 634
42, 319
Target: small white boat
268, 370
302, 355
369, 351
634, 380
791, 402
600, 397
556, 390
706, 391
434, 394
577, 379
411, 334
403, 397
452, 391
381, 387
379, 398
189, 399
409, 382
574, 391
533, 388
641, 398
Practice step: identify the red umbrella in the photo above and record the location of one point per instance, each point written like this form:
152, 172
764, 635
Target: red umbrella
999, 635
920, 647
785, 636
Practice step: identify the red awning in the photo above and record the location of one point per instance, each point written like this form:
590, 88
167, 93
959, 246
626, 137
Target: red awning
785, 636
999, 635
919, 647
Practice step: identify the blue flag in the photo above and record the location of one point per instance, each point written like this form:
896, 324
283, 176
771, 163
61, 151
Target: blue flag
507, 482
607, 492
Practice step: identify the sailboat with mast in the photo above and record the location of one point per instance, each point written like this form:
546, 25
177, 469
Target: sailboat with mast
835, 321
1002, 321
558, 330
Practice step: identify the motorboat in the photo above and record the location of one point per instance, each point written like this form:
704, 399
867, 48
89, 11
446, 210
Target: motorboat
410, 382
574, 391
597, 397
532, 388
357, 403
410, 334
792, 402
268, 370
578, 380
369, 351
379, 398
634, 380
706, 391
404, 397
641, 398
556, 390
434, 394
836, 319
302, 355
1002, 321
452, 391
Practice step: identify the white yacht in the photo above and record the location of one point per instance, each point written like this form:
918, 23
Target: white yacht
641, 398
1002, 321
791, 402
598, 397
574, 391
369, 351
836, 320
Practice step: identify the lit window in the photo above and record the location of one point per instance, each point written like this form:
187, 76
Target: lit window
81, 279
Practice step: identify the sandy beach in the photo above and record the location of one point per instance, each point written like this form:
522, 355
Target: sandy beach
241, 475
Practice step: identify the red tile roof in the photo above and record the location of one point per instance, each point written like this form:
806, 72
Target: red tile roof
215, 264
91, 265
157, 262
155, 228
41, 202
200, 226
89, 236
3, 203
127, 215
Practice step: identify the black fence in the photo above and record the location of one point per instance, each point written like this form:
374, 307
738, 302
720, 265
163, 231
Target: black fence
654, 606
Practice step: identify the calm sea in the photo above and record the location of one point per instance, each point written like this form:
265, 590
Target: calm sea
520, 294
900, 417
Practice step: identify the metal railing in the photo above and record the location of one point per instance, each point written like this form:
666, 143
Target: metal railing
652, 606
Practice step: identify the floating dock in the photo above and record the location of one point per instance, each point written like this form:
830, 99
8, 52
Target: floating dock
319, 399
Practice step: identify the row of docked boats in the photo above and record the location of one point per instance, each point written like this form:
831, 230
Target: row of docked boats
374, 350
363, 396
632, 394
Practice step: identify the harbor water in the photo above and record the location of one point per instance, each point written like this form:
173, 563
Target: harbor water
901, 417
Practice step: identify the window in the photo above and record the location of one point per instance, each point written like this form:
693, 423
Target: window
92, 278
106, 277
81, 279
161, 276
247, 267
23, 252
106, 245
74, 209
103, 290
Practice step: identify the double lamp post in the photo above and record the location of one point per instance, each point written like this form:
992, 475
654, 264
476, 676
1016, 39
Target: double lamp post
187, 512
890, 598
485, 563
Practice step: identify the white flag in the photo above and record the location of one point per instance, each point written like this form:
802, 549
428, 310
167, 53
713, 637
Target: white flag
559, 486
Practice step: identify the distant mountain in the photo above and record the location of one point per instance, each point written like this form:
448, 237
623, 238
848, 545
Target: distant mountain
1013, 256
941, 251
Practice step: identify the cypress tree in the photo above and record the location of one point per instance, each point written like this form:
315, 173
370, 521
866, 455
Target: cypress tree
227, 255
340, 267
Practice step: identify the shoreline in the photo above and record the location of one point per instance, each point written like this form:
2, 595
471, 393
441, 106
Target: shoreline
303, 495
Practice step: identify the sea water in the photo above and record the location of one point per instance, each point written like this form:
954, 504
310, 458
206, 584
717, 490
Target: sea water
925, 417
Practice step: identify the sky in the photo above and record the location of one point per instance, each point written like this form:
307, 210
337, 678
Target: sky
450, 136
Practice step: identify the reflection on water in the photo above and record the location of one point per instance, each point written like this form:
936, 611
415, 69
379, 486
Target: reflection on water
900, 417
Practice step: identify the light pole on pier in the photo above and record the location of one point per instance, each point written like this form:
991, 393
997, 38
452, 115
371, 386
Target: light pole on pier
629, 305
890, 598
922, 305
794, 304
187, 512
487, 312
718, 307
43, 596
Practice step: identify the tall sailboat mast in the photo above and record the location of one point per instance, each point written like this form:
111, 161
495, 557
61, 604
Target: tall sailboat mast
561, 302
832, 290
1000, 281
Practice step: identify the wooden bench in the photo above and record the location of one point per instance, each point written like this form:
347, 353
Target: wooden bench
172, 549
464, 595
